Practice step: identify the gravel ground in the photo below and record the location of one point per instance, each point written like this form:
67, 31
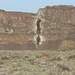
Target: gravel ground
37, 62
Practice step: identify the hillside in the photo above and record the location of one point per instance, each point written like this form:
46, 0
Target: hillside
45, 30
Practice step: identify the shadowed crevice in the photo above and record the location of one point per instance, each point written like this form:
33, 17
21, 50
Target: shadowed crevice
38, 26
38, 42
38, 32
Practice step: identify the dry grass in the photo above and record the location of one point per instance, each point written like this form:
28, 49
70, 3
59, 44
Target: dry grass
36, 62
67, 45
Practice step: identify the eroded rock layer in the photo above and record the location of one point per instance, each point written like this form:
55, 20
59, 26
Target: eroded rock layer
20, 31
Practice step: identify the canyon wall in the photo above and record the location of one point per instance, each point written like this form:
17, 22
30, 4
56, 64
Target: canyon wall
58, 25
16, 30
45, 30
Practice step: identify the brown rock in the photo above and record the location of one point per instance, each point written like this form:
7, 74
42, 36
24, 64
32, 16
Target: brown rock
56, 59
71, 57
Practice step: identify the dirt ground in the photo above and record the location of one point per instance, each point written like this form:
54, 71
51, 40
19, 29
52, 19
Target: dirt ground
30, 62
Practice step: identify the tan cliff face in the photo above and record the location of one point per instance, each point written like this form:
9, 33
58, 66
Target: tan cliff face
54, 24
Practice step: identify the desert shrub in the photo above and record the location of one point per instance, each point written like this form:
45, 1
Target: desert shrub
67, 45
1, 62
6, 26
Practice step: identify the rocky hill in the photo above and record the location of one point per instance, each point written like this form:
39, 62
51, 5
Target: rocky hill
45, 30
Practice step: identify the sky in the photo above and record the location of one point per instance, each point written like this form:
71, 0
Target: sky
31, 5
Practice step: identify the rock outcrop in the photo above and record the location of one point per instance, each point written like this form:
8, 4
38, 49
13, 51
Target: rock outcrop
58, 24
44, 30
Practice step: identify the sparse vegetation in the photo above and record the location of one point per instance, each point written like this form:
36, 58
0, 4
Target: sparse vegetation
67, 45
36, 62
6, 26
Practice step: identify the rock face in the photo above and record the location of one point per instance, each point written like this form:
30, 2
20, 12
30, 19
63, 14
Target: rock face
16, 27
58, 24
44, 30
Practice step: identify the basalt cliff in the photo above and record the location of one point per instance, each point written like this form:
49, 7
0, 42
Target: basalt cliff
45, 30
